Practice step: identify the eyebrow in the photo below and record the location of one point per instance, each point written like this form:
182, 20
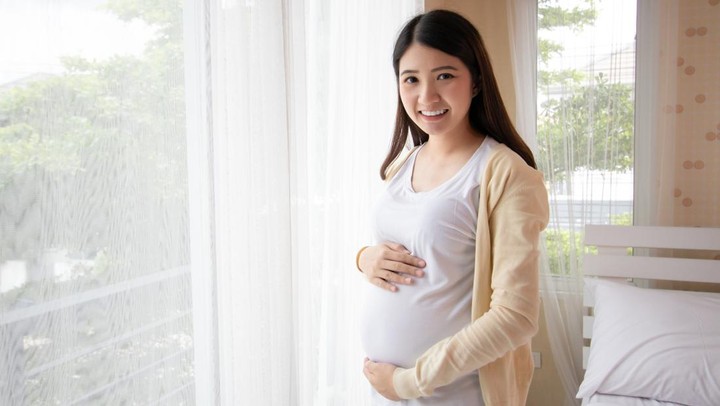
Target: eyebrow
447, 67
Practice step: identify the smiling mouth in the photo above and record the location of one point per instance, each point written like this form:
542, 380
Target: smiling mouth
433, 113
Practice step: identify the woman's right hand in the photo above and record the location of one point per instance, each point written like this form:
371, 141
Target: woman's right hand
388, 264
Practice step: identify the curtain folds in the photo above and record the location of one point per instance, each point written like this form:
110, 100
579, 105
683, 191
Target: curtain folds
656, 129
576, 118
522, 24
251, 196
303, 102
561, 299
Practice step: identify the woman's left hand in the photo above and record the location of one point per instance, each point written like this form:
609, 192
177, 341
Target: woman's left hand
380, 376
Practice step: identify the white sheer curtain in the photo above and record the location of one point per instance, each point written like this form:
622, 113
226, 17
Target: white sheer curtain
303, 104
183, 187
561, 298
522, 24
584, 118
656, 130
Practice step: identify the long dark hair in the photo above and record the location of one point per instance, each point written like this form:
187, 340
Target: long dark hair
451, 33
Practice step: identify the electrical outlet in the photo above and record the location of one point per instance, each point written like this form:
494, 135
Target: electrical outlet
537, 359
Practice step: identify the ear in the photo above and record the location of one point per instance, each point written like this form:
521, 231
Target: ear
477, 84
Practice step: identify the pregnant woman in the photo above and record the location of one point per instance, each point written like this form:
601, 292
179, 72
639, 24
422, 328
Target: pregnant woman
453, 300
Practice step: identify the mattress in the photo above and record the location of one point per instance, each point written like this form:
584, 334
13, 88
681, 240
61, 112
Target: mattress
614, 400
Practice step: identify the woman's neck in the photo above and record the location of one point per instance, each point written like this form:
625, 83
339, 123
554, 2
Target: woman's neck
448, 144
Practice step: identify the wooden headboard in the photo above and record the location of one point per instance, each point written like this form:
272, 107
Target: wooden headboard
613, 260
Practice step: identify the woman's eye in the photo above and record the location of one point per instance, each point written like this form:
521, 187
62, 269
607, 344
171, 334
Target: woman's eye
410, 79
445, 76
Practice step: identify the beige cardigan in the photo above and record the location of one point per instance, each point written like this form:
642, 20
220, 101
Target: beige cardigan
513, 210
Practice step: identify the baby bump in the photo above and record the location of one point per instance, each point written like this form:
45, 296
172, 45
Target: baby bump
397, 327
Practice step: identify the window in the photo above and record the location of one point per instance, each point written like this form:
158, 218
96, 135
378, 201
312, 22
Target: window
586, 74
95, 298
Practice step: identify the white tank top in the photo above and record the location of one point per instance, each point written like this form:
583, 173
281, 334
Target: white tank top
438, 226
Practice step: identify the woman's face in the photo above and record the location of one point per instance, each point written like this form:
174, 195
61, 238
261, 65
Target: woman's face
436, 90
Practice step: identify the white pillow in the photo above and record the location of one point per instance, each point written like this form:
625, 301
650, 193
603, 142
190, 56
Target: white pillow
656, 344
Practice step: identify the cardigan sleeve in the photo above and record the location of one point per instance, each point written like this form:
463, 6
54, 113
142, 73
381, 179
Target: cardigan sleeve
518, 212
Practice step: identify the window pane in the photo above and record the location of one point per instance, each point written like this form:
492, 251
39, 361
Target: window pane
95, 301
586, 71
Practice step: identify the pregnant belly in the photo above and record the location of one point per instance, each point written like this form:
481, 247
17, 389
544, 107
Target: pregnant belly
398, 327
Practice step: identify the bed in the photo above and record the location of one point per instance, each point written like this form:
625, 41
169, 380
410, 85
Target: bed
645, 346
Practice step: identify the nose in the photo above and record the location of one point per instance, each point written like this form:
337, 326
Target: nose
428, 93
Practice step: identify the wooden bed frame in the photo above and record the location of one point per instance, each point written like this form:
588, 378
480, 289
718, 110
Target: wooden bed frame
613, 261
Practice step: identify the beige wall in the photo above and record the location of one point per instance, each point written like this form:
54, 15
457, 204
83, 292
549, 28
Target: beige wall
696, 193
694, 198
546, 388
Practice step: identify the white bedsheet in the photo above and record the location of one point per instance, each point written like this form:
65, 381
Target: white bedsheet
613, 400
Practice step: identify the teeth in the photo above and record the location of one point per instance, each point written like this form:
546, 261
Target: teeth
432, 113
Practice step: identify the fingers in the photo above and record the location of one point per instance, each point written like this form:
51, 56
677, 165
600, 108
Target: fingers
366, 368
399, 259
388, 280
390, 264
382, 283
397, 247
391, 256
394, 277
396, 265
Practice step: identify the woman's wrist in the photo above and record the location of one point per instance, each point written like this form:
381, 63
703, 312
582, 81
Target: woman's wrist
357, 257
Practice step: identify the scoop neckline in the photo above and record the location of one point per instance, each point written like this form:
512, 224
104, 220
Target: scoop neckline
446, 182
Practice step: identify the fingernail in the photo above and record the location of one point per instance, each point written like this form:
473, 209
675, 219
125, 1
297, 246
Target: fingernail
422, 263
394, 289
419, 273
408, 280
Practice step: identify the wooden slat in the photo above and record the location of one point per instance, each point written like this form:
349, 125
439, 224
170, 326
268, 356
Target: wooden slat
695, 238
604, 250
586, 356
673, 269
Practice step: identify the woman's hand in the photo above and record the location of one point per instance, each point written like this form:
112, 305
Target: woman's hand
388, 264
380, 376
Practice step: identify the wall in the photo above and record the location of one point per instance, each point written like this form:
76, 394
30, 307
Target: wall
696, 193
692, 108
546, 388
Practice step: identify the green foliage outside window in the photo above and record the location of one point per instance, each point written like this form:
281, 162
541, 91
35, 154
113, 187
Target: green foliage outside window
588, 125
93, 165
565, 247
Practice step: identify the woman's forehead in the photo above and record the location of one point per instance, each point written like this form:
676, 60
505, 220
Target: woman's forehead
422, 57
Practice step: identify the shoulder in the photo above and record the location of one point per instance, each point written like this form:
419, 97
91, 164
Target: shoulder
507, 175
511, 183
398, 162
504, 162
